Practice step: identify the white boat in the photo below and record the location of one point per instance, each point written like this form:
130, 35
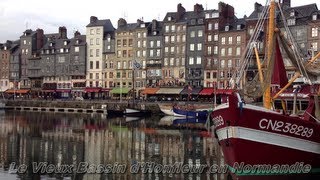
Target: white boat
166, 109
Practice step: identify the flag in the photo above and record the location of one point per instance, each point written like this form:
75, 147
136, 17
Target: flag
136, 64
189, 91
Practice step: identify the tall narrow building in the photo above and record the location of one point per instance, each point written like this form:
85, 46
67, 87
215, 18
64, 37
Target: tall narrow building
95, 34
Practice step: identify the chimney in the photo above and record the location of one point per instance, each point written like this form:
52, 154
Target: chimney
62, 32
257, 6
40, 39
76, 34
286, 3
93, 19
197, 8
180, 11
139, 21
154, 25
226, 11
122, 22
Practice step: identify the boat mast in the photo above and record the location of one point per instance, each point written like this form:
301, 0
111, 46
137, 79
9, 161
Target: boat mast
271, 28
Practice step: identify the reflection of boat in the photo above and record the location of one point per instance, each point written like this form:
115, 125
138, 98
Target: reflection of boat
166, 120
2, 105
189, 120
190, 113
128, 112
260, 136
129, 119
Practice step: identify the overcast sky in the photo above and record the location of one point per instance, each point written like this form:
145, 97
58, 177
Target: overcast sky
18, 15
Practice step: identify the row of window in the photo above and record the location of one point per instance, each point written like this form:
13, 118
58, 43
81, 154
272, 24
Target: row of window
95, 31
97, 41
173, 39
174, 61
172, 28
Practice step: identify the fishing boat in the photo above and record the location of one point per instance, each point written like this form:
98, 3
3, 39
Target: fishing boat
263, 141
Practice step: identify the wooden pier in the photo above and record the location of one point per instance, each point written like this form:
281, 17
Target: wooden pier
60, 109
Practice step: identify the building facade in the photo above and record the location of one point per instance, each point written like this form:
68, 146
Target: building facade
95, 34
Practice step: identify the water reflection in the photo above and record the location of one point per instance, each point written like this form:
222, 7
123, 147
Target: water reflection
53, 146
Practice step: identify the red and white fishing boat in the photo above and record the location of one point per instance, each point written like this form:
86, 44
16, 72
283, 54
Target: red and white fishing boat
261, 141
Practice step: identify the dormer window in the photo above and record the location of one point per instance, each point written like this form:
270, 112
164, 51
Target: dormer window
61, 50
314, 17
77, 41
291, 22
52, 51
67, 50
51, 44
142, 25
169, 18
65, 43
238, 27
226, 28
292, 13
5, 48
207, 15
154, 33
215, 15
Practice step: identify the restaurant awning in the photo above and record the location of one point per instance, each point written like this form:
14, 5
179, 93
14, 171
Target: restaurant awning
49, 91
169, 91
207, 91
92, 89
224, 91
63, 90
17, 91
105, 89
120, 90
150, 90
191, 91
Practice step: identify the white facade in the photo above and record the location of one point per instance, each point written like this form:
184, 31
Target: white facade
95, 65
4, 85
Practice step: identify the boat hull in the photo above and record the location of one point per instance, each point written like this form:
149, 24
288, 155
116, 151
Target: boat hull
136, 112
190, 113
256, 136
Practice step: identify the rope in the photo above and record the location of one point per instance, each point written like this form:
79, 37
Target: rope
246, 57
296, 54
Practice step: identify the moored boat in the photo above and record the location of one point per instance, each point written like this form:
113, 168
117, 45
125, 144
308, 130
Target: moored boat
202, 114
262, 141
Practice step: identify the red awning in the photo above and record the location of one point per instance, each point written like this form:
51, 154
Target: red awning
17, 91
224, 91
48, 91
206, 91
92, 89
105, 89
63, 90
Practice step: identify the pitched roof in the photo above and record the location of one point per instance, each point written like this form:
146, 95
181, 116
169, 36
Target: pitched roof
106, 23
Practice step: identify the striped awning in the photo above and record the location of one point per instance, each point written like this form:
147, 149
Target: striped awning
169, 91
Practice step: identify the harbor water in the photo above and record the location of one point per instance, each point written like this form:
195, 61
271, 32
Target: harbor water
45, 145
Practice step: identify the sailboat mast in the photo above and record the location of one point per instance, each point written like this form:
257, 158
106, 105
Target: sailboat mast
271, 28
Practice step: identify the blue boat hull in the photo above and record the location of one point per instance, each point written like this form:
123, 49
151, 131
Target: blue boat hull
191, 113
